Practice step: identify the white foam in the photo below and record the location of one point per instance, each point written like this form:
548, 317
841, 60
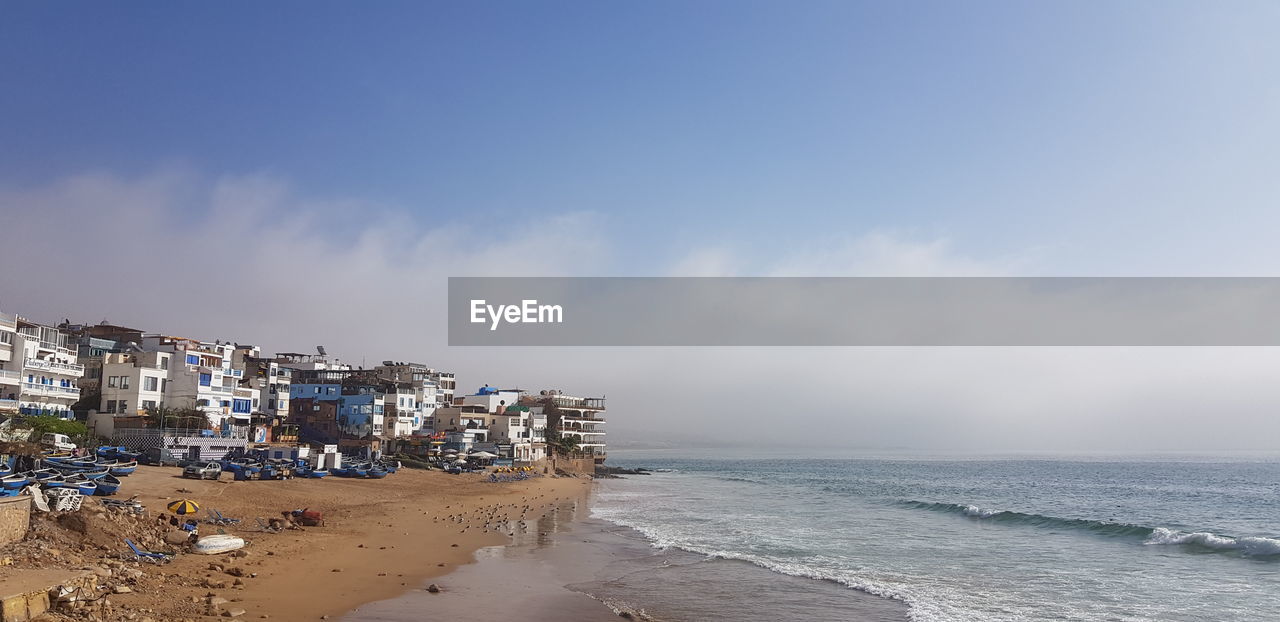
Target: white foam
1248, 545
977, 512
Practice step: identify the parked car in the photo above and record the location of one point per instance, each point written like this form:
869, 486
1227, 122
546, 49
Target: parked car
159, 456
60, 442
203, 470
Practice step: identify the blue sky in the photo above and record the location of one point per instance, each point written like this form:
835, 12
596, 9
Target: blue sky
1083, 133
295, 173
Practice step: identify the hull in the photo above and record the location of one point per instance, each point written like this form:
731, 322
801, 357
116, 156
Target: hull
123, 470
107, 486
212, 545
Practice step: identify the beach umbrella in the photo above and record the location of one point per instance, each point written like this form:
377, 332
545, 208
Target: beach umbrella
483, 454
460, 461
183, 506
451, 451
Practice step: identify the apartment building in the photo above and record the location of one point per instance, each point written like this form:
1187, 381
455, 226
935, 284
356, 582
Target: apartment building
39, 372
580, 418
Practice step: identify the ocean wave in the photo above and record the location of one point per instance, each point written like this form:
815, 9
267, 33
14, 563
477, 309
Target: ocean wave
1252, 546
1248, 546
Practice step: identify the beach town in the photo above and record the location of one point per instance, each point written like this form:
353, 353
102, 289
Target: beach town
150, 476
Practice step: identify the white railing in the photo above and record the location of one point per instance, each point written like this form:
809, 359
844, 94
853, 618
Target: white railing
49, 389
6, 374
54, 366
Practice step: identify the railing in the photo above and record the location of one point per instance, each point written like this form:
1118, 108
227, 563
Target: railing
9, 320
4, 373
49, 389
220, 389
70, 368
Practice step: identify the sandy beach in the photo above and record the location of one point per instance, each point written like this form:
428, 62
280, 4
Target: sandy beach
381, 538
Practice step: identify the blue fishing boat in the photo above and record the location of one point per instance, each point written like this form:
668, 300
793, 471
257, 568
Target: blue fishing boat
123, 469
359, 470
43, 474
14, 481
56, 481
108, 485
316, 473
86, 486
376, 473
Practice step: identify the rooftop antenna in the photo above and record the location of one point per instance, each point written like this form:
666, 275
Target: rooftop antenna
320, 349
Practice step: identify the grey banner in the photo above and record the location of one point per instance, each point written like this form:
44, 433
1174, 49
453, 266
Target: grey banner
857, 311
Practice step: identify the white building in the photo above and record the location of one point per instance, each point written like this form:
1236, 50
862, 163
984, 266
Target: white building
177, 372
39, 374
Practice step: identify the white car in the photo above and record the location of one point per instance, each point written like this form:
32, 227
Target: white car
60, 442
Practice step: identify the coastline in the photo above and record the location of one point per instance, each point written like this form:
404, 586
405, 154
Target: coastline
381, 539
572, 565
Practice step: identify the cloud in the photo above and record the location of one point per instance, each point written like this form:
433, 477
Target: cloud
252, 259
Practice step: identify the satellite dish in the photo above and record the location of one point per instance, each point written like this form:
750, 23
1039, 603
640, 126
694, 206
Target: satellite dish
320, 349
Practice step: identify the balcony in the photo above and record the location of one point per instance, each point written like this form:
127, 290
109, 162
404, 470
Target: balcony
10, 377
69, 369
31, 388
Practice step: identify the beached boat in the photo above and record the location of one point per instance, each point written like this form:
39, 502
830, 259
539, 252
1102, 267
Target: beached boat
46, 473
108, 485
217, 543
85, 486
376, 473
317, 473
56, 481
123, 469
14, 481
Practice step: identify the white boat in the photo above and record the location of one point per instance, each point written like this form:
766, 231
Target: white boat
217, 543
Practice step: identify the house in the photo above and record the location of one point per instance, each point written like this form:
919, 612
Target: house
39, 372
579, 418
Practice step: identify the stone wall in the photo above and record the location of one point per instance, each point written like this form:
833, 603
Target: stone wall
15, 517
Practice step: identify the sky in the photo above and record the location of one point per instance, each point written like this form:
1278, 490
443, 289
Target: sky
302, 173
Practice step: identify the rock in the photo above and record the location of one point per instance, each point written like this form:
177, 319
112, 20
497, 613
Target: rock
177, 536
336, 570
217, 601
122, 589
235, 571
233, 613
100, 571
433, 588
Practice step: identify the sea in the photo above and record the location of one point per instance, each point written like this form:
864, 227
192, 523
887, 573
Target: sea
942, 537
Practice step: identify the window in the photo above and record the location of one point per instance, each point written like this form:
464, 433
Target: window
205, 379
317, 390
111, 406
151, 383
331, 390
226, 403
124, 382
193, 359
113, 382
164, 384
164, 362
124, 405
271, 404
148, 404
241, 406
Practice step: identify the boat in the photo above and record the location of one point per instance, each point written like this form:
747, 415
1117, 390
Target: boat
316, 473
123, 469
43, 474
94, 474
86, 486
340, 472
359, 470
217, 543
15, 481
57, 481
108, 485
376, 473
